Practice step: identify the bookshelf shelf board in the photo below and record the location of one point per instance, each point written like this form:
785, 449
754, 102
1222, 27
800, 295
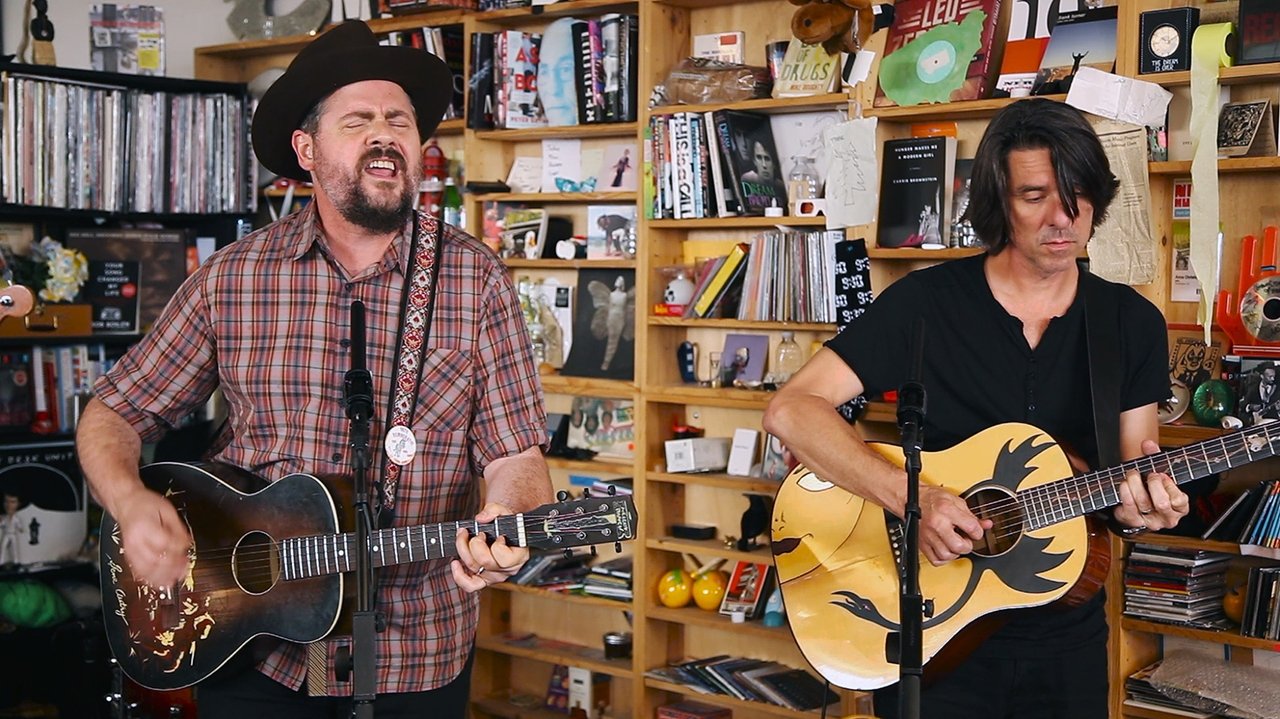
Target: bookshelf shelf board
556, 652
725, 701
767, 105
293, 43
1144, 713
712, 3
595, 387
1225, 164
912, 253
616, 466
879, 412
276, 192
515, 262
1173, 541
704, 618
960, 110
1177, 435
526, 15
1204, 635
1239, 74
584, 197
501, 706
28, 212
708, 548
603, 129
115, 79
453, 126
726, 223
716, 479
581, 600
727, 398
731, 324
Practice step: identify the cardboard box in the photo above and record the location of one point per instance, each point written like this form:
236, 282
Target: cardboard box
698, 454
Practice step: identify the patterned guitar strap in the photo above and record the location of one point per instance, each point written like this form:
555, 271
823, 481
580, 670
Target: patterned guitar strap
416, 306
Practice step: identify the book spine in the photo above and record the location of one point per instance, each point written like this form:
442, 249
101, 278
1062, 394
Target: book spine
720, 281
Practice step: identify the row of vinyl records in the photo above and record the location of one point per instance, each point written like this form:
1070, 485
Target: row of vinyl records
82, 146
574, 72
749, 679
42, 388
780, 276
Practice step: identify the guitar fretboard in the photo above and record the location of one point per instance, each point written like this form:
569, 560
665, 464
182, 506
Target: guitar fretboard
1076, 496
304, 557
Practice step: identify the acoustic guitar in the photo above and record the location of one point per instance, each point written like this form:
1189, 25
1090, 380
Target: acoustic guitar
267, 558
838, 557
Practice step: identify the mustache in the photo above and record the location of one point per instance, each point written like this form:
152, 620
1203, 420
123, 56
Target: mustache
387, 153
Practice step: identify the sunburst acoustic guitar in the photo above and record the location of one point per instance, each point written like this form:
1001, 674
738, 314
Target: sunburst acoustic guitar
269, 558
838, 556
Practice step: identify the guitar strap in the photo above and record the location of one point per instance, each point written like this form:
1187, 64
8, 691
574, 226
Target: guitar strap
416, 310
1102, 340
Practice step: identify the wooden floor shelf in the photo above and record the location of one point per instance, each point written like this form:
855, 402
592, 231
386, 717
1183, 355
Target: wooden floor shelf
704, 618
1204, 635
581, 600
728, 701
554, 651
715, 479
707, 548
560, 384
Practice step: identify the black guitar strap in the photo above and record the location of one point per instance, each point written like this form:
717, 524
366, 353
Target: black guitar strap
1102, 339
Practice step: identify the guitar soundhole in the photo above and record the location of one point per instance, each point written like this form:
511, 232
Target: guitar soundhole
998, 505
256, 563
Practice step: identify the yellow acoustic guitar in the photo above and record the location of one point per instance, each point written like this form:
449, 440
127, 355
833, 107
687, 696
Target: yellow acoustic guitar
837, 554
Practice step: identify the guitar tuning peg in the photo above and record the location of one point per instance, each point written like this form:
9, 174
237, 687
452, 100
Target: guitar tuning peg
617, 547
562, 496
613, 491
593, 550
586, 492
568, 553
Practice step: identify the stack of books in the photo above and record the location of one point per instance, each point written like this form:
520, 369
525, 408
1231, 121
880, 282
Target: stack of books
554, 572
1180, 586
611, 579
749, 679
1261, 615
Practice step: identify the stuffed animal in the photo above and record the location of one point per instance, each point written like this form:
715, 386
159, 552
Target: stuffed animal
838, 25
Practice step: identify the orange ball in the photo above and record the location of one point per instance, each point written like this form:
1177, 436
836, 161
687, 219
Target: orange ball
674, 589
708, 589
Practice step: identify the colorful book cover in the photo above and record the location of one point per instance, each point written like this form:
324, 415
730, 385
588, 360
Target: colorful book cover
941, 51
1079, 39
610, 231
753, 156
806, 70
523, 107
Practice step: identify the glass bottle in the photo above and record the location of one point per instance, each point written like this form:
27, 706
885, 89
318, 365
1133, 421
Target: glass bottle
452, 203
787, 359
802, 181
524, 291
538, 342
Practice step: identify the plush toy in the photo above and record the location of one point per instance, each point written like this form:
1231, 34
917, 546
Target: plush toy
838, 25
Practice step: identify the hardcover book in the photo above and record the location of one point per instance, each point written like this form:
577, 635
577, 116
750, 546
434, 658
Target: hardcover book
747, 590
806, 70
916, 177
162, 255
753, 157
941, 51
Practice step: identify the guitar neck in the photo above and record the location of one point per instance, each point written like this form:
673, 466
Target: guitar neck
1076, 496
305, 557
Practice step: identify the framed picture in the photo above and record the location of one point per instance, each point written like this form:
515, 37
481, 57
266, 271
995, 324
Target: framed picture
1259, 391
744, 358
523, 233
604, 329
773, 466
604, 426
1191, 361
611, 232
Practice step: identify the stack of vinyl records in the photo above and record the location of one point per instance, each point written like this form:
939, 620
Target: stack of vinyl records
1174, 585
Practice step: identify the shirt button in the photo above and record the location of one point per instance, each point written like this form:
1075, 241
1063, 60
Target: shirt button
1031, 408
345, 344
337, 457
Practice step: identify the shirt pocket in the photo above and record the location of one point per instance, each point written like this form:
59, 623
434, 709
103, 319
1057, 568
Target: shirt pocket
445, 399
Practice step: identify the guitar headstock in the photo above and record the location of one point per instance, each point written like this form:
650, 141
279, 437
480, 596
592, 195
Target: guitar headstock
581, 522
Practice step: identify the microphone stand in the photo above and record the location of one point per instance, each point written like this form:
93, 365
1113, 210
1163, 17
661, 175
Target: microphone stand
358, 397
911, 412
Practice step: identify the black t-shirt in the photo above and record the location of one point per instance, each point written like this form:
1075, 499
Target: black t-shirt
978, 371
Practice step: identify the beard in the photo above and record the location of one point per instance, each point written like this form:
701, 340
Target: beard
381, 213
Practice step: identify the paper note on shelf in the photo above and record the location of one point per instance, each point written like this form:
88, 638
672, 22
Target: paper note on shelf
1137, 102
852, 185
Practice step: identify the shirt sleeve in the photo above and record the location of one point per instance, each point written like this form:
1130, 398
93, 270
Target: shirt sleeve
171, 372
510, 416
1146, 353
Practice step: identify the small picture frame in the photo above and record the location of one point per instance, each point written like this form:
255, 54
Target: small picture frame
1246, 128
748, 587
1191, 361
523, 233
744, 359
1259, 390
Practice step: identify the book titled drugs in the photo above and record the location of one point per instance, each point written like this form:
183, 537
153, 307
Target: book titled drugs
916, 177
806, 70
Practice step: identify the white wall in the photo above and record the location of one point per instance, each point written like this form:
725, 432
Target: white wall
188, 24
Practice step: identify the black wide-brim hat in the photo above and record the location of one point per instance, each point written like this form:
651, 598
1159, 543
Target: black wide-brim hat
346, 54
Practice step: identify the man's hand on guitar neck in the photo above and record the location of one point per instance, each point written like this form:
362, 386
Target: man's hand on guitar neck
156, 541
947, 528
480, 563
1153, 502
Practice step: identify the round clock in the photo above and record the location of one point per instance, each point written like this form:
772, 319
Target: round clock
1164, 41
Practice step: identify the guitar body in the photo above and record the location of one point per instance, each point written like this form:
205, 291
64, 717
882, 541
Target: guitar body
835, 555
170, 639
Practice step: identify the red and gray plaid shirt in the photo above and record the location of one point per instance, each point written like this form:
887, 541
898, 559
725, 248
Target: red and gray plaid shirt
268, 320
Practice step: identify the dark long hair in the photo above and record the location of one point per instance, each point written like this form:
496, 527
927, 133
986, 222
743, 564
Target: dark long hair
1078, 161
